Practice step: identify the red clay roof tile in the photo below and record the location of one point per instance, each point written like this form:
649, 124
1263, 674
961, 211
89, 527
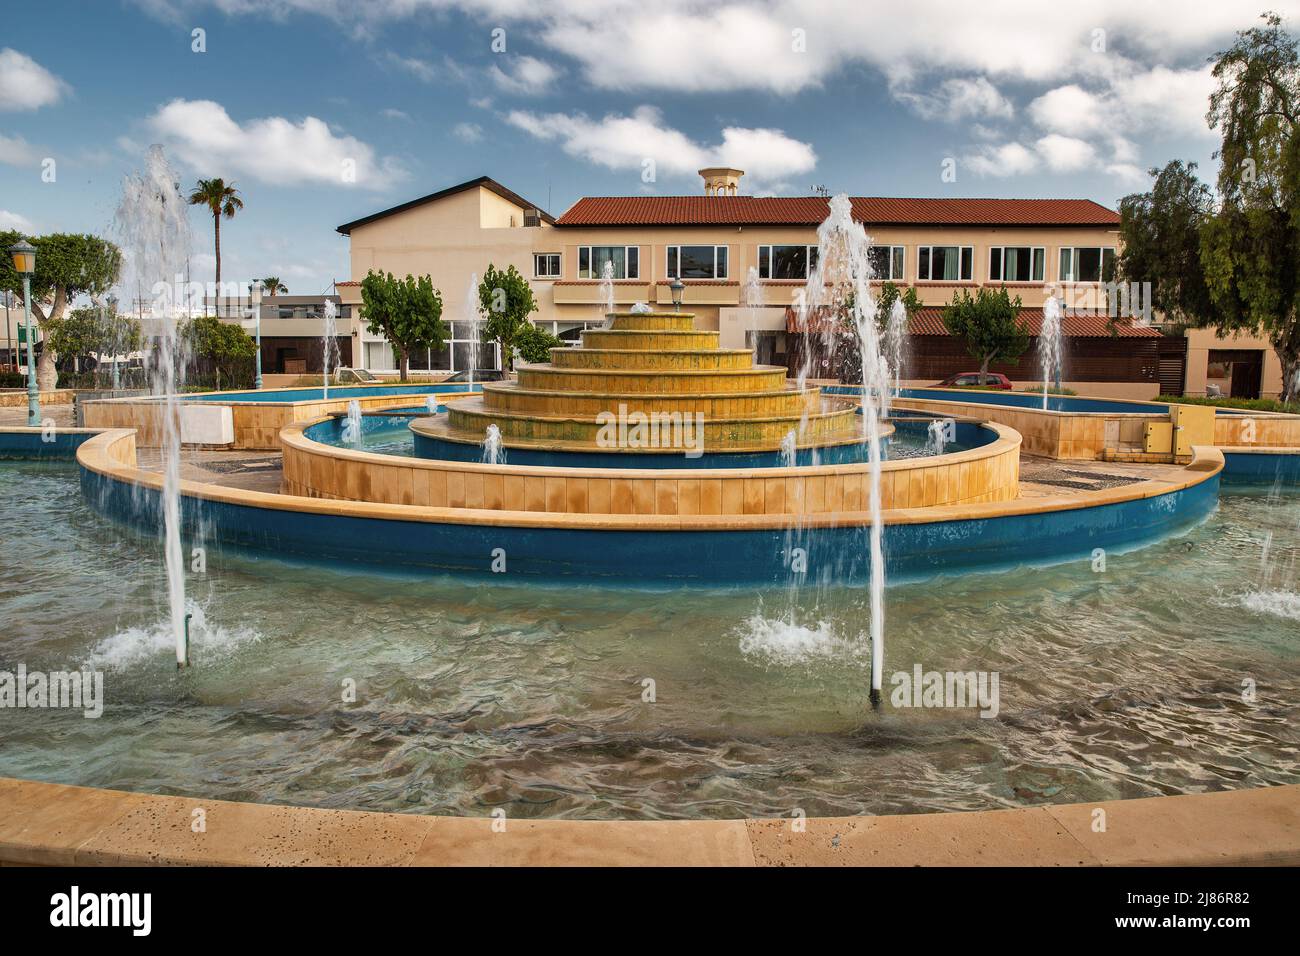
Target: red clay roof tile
812, 210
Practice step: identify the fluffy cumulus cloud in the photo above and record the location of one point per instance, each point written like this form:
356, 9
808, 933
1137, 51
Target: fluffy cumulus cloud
16, 151
467, 132
628, 141
273, 149
524, 75
25, 84
1111, 74
12, 220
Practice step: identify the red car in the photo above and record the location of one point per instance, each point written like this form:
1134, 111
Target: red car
976, 380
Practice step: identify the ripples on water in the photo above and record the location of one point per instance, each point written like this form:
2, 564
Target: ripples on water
472, 696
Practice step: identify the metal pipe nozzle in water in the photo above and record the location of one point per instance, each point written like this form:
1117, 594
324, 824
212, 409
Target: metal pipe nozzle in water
182, 663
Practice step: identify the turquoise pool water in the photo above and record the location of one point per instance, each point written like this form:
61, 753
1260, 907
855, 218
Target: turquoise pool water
390, 434
316, 394
474, 696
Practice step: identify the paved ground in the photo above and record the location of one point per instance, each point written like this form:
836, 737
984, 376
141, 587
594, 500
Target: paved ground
250, 470
1039, 477
17, 415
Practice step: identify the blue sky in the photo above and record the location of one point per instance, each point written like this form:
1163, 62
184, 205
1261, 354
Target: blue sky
1026, 100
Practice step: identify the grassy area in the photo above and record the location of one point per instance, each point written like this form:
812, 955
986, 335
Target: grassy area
1050, 391
1249, 404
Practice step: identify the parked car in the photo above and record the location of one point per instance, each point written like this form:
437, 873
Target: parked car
976, 380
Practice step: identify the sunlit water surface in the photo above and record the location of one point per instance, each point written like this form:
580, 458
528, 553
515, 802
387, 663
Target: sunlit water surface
473, 696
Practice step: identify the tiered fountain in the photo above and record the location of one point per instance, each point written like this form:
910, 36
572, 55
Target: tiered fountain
651, 366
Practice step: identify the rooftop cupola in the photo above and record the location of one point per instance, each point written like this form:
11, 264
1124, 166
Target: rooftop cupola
721, 181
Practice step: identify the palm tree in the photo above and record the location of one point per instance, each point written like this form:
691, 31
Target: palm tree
222, 200
272, 285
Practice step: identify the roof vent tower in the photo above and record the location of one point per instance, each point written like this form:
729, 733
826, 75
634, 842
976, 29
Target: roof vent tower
721, 180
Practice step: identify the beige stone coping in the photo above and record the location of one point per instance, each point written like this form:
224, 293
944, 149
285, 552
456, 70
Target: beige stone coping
112, 454
57, 825
17, 397
987, 473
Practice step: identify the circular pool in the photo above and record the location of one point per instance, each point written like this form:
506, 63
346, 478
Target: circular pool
472, 696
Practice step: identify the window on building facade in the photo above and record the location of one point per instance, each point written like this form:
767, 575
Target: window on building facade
1017, 263
546, 265
786, 262
625, 260
945, 263
887, 263
1086, 263
697, 262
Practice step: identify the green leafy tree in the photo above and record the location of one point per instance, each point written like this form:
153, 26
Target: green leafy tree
990, 324
225, 348
407, 312
222, 201
67, 265
889, 294
1160, 233
1250, 250
93, 331
505, 302
272, 286
535, 344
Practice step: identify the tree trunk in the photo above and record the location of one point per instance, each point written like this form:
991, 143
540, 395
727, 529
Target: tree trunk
47, 376
984, 366
405, 366
216, 226
1290, 360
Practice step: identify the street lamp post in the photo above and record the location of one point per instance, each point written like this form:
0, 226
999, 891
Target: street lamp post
255, 293
678, 288
117, 345
24, 256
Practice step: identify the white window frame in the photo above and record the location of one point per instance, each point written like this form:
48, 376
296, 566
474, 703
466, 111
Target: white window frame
559, 265
626, 259
809, 251
1033, 250
931, 247
676, 248
902, 277
1074, 262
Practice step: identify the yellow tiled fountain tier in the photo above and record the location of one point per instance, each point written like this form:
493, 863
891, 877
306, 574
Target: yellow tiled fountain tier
648, 363
637, 340
509, 397
836, 422
678, 360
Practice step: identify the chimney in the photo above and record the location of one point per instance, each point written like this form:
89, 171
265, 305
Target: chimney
721, 180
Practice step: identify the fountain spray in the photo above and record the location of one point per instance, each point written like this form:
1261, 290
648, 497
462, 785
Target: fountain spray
472, 324
153, 223
329, 344
840, 286
1050, 345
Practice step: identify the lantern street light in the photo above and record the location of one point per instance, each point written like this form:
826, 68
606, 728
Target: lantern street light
255, 294
112, 312
24, 256
678, 288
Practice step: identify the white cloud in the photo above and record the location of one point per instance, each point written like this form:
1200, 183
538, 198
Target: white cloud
12, 220
626, 142
467, 132
25, 84
395, 114
957, 99
1066, 154
16, 151
273, 149
422, 70
1009, 159
525, 75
